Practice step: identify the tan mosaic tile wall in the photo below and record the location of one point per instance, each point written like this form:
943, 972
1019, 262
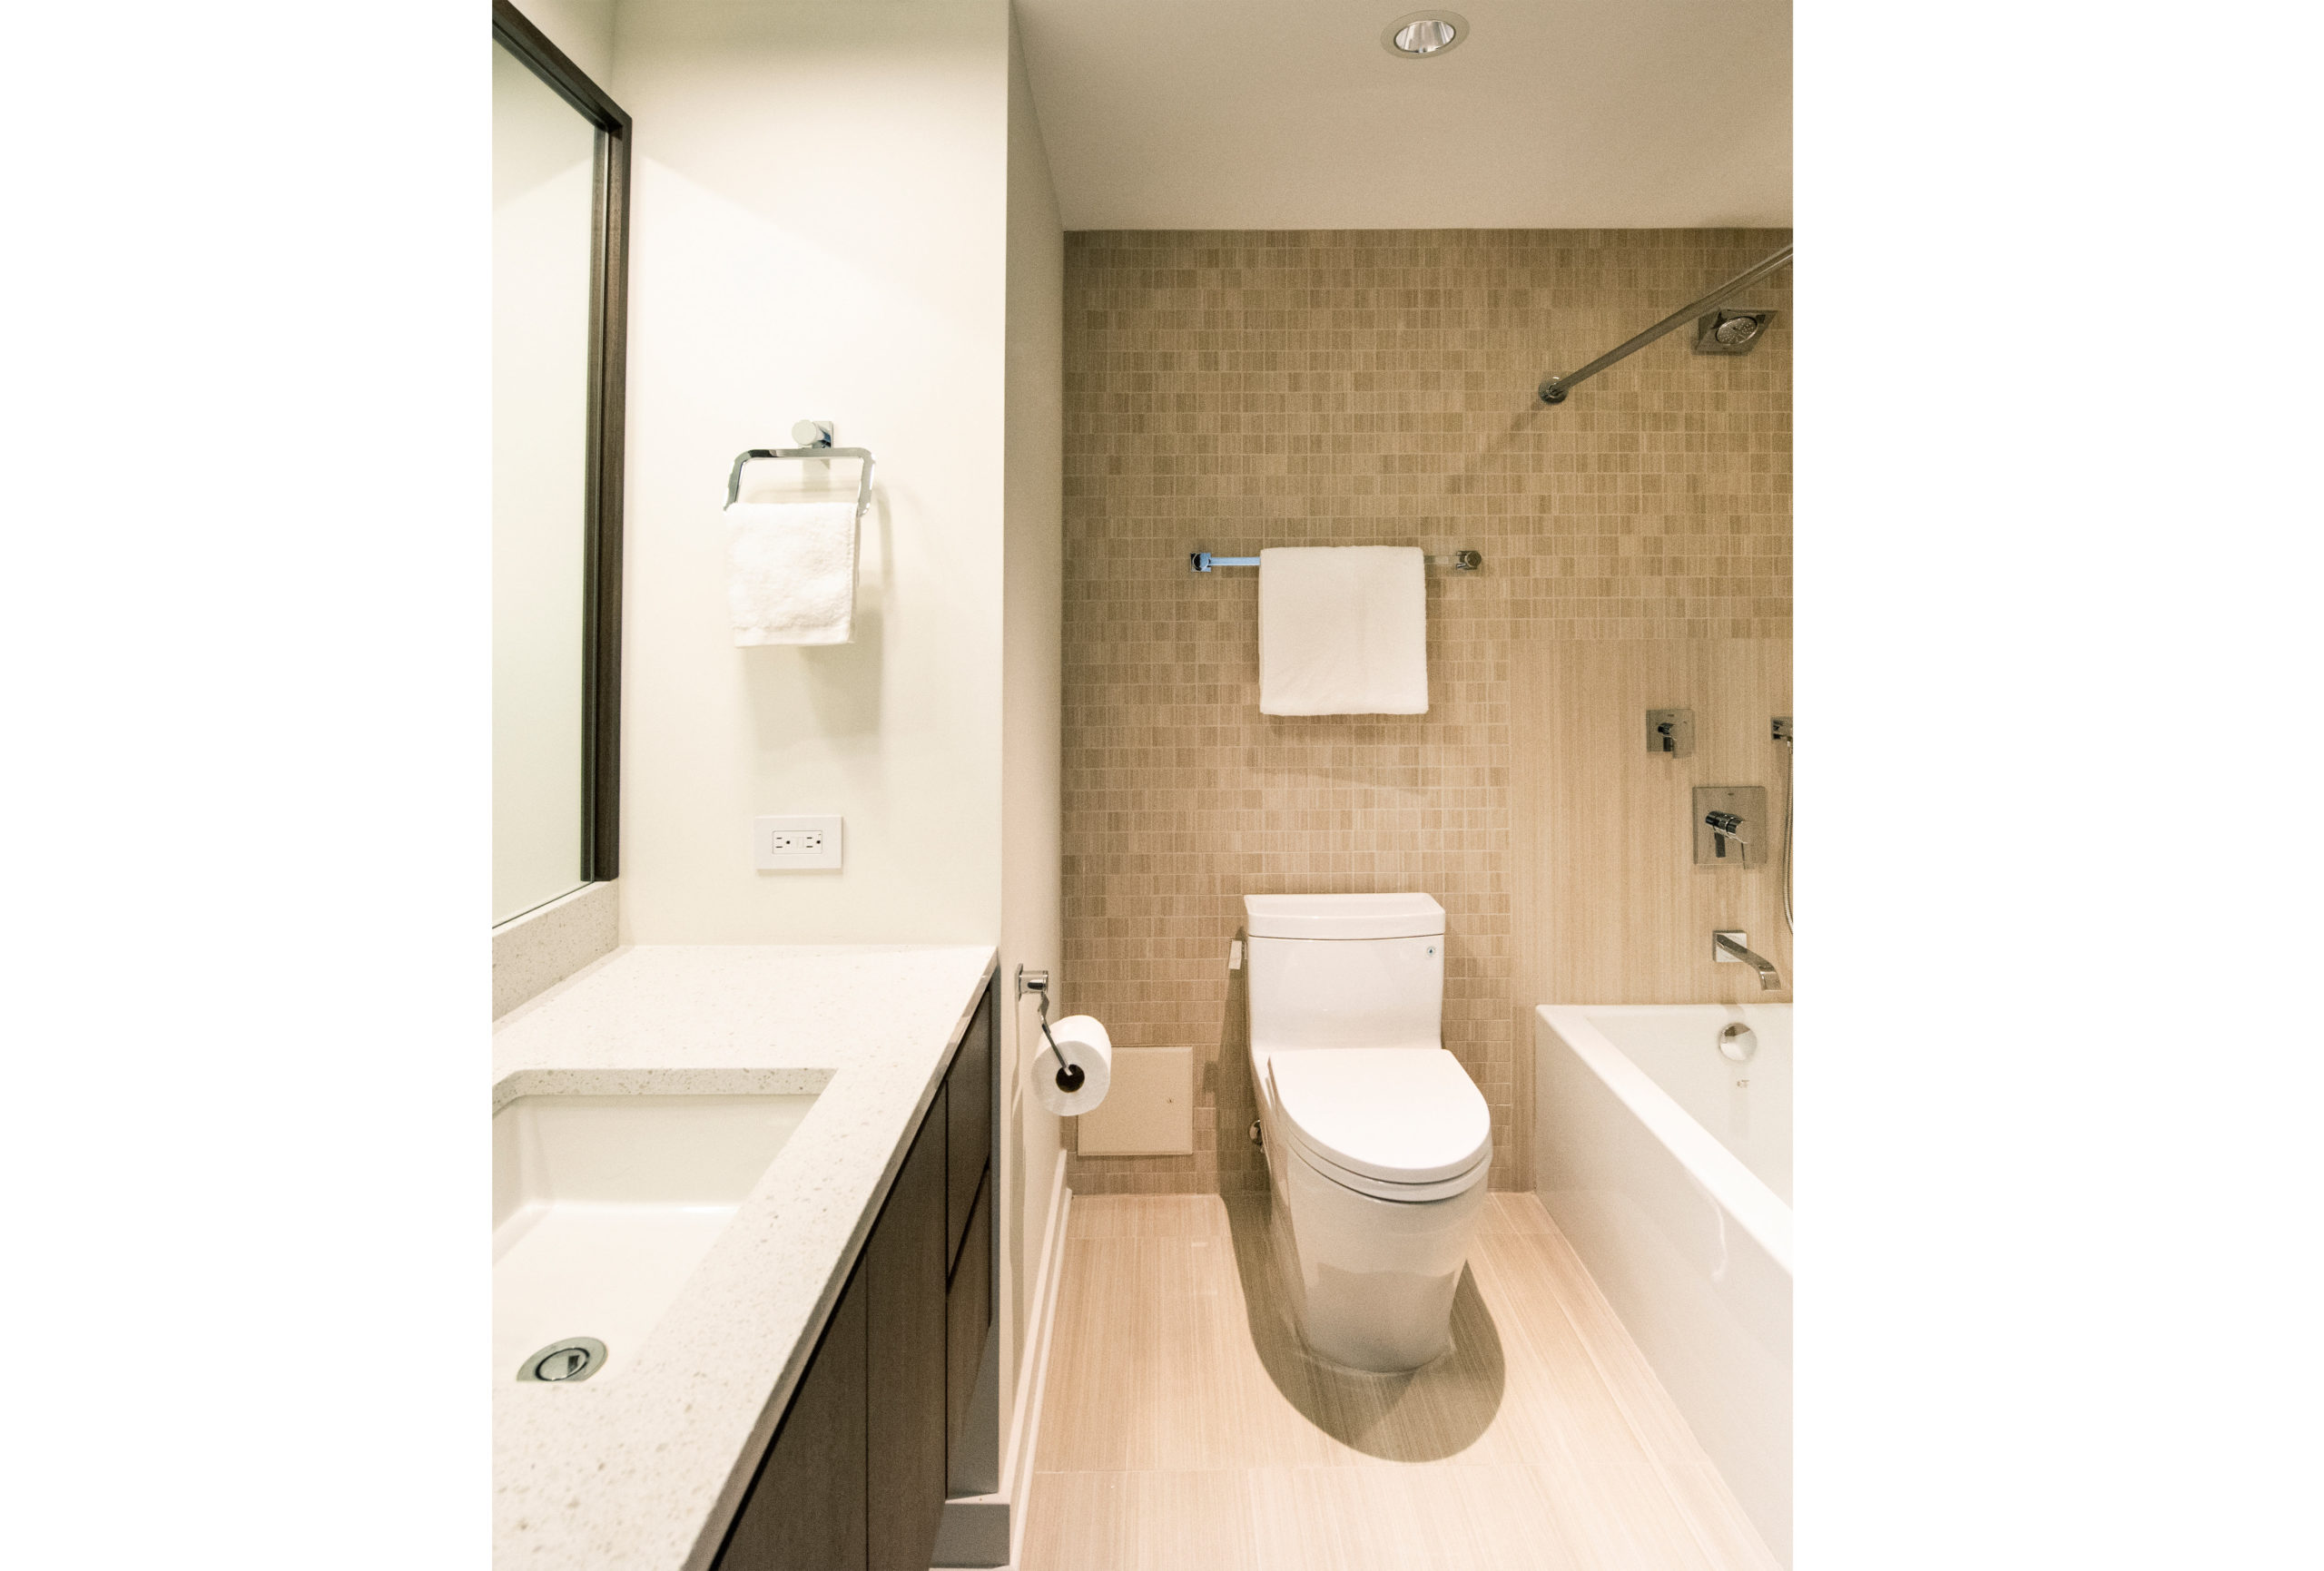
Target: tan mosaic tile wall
1228, 390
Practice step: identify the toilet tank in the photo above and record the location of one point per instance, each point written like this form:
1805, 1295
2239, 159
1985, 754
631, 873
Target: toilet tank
1345, 970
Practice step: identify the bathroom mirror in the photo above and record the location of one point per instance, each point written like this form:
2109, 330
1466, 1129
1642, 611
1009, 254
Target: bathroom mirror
560, 177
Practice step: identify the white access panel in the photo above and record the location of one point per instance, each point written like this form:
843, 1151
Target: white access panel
1149, 1109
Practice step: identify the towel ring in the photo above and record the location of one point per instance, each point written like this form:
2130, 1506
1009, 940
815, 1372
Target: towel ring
863, 495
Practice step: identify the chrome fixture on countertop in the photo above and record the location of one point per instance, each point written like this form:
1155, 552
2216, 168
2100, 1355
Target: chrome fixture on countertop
1728, 947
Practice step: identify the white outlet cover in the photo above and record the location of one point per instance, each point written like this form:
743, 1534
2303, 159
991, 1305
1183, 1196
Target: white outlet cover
795, 843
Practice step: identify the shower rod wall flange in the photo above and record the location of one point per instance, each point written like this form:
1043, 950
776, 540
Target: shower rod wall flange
1555, 389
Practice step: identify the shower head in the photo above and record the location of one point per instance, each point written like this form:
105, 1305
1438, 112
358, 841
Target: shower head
1709, 339
1731, 331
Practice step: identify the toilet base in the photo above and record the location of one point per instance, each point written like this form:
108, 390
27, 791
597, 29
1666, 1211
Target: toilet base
1372, 1281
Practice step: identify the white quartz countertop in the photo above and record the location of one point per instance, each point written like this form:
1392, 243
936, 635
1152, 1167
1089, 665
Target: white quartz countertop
632, 1472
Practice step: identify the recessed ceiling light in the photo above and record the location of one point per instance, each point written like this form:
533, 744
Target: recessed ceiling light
1423, 33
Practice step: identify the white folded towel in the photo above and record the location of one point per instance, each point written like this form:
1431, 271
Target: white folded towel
791, 572
1343, 630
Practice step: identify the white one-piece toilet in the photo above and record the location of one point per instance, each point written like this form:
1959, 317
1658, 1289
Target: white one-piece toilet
1378, 1141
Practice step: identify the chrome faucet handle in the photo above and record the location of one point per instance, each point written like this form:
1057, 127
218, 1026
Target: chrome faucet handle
1724, 826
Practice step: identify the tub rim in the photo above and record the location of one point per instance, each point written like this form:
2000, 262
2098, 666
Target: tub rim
1740, 1192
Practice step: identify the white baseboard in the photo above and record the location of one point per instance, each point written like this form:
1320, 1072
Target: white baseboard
1032, 1381
979, 1522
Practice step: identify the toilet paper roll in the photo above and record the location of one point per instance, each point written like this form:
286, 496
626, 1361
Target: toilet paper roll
1081, 1041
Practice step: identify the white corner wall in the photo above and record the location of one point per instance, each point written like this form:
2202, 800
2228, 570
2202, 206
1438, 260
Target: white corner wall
584, 29
845, 213
820, 232
1032, 694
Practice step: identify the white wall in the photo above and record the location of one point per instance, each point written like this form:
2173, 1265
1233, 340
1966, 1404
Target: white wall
1033, 590
845, 213
584, 29
820, 232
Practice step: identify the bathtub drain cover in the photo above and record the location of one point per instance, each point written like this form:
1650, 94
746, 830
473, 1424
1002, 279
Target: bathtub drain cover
573, 1358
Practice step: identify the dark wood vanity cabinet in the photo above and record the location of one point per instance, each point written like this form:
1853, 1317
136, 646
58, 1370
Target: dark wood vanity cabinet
808, 1505
854, 1480
968, 1220
968, 1313
969, 1084
905, 1347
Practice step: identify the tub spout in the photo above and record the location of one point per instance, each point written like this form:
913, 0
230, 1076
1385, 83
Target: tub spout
1730, 946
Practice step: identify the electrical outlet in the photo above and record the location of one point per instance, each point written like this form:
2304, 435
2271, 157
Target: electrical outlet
787, 844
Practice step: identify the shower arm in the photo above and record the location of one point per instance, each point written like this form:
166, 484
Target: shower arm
1555, 388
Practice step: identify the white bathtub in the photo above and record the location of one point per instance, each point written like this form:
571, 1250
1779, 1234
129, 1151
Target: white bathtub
1669, 1167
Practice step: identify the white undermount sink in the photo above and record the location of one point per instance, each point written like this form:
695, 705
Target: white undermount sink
602, 1206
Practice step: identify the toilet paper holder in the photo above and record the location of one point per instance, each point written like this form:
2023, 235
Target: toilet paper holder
1069, 1076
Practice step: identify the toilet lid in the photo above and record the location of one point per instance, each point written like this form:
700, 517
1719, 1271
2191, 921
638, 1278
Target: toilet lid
1406, 1114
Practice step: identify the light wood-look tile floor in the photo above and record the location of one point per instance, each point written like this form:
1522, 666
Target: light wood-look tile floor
1185, 1426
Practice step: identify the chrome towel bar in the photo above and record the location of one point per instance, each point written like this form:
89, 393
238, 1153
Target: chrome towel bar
1458, 561
863, 491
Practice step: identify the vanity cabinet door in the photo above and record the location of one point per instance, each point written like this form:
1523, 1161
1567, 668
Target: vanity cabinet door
967, 1313
970, 1083
806, 1510
855, 1478
903, 1267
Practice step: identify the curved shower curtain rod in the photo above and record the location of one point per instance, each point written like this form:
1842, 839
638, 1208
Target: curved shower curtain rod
1555, 388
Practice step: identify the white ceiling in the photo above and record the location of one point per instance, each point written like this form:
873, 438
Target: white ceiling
1289, 114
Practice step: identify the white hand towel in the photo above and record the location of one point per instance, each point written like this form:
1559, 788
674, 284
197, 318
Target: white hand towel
1343, 630
791, 572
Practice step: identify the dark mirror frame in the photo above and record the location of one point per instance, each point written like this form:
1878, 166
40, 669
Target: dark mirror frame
609, 313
